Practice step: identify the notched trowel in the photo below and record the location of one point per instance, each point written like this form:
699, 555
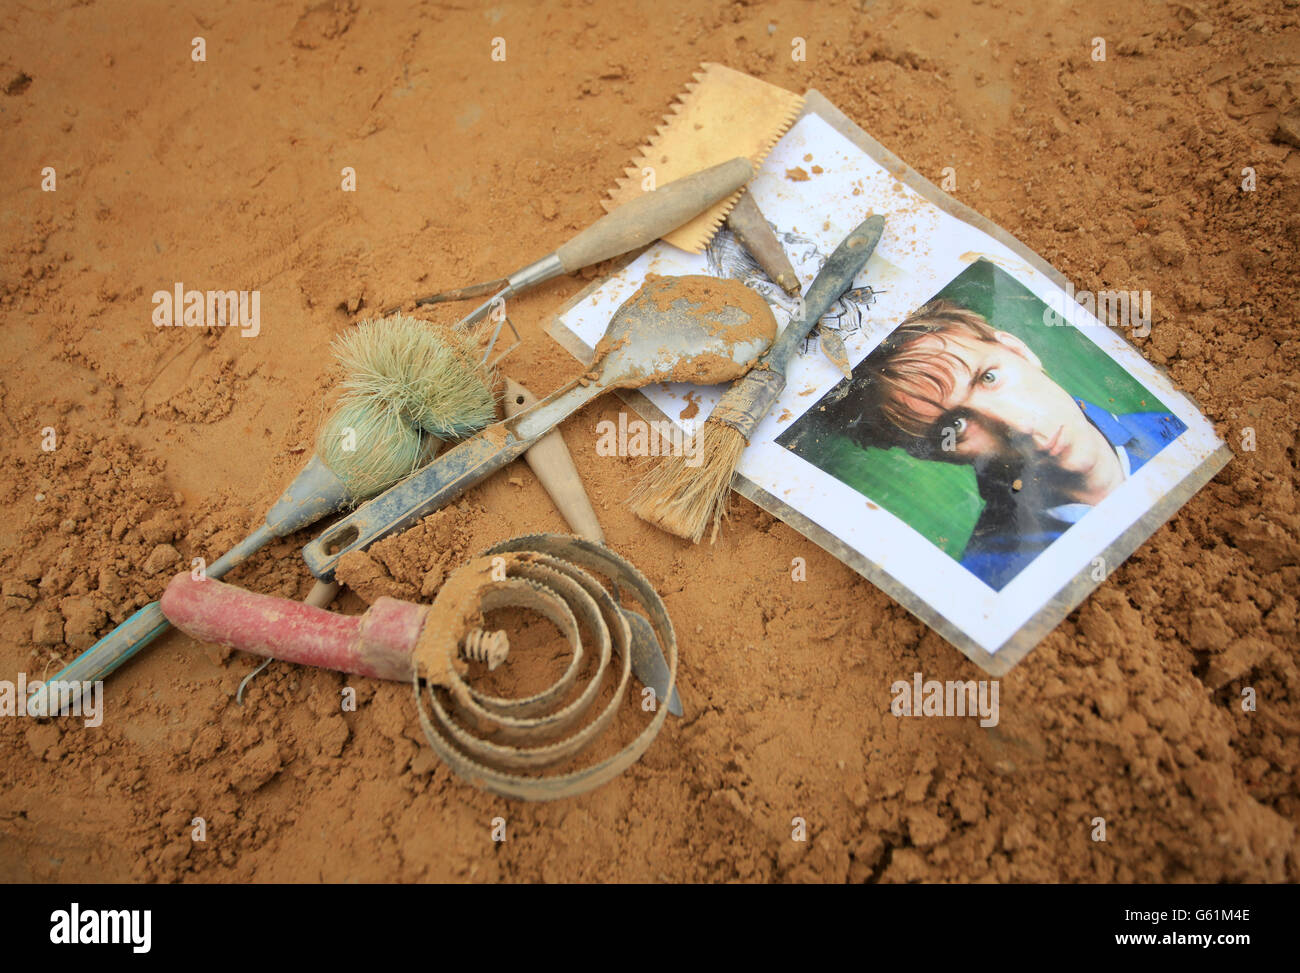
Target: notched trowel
721, 114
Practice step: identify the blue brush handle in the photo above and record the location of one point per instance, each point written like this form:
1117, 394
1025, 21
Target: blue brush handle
117, 646
315, 493
834, 278
106, 655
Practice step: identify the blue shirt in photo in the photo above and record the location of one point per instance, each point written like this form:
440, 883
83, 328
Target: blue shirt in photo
1008, 536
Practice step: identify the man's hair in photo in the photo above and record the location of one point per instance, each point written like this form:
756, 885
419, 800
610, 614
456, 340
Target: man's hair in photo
904, 366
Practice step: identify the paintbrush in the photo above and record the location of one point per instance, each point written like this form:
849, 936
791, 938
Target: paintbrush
408, 386
684, 497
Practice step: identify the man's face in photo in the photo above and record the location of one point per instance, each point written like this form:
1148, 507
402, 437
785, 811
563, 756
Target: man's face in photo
1003, 407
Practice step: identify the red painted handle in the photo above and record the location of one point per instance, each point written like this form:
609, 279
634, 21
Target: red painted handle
377, 644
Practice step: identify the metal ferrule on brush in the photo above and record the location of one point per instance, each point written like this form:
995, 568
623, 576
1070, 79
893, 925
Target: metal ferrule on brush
748, 400
535, 273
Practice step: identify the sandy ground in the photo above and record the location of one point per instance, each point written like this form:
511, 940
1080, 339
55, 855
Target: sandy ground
172, 442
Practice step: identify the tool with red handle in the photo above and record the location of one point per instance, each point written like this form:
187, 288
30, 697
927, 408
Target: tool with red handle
377, 644
561, 577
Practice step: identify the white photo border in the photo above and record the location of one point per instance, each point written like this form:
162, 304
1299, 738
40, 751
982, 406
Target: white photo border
929, 240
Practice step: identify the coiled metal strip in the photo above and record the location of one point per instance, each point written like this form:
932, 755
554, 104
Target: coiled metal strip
552, 576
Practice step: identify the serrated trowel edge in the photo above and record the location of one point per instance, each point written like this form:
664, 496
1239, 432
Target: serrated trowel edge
713, 91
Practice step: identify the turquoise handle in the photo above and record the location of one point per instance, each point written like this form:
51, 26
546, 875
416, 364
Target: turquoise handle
313, 494
117, 646
106, 655
101, 658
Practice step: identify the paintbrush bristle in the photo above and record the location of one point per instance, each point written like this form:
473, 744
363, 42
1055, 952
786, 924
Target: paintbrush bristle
369, 446
408, 384
427, 373
683, 498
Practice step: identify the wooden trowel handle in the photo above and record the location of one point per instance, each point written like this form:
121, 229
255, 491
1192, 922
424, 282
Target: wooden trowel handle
651, 215
550, 460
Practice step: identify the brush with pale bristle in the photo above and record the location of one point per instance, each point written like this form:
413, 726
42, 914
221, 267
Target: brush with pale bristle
369, 445
408, 386
426, 373
684, 499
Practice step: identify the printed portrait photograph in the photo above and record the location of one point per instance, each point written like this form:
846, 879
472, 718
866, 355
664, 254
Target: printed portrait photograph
986, 424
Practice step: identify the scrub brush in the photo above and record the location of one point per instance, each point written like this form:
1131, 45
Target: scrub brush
408, 386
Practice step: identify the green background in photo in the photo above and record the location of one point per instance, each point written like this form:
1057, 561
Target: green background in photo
941, 500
